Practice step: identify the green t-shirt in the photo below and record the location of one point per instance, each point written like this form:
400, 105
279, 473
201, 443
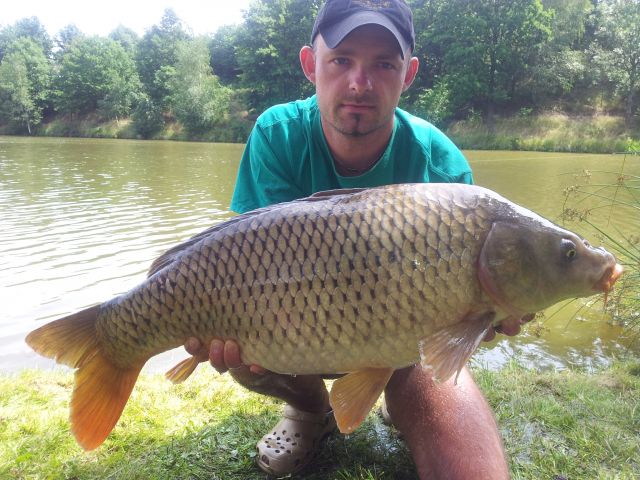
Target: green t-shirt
287, 157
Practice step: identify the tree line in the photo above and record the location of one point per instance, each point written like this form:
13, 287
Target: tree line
478, 58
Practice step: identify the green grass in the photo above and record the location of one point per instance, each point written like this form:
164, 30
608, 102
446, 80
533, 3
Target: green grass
567, 424
548, 132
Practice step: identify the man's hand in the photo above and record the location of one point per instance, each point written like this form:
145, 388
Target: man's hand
223, 356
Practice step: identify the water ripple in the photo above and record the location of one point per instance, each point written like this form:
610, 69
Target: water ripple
82, 221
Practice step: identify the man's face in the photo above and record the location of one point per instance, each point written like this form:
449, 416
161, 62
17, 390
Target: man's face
358, 84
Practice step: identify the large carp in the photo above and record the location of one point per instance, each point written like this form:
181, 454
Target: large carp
360, 282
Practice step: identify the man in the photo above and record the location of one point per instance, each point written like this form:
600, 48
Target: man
351, 134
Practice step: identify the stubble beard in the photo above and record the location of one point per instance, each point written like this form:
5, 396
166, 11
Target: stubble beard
357, 130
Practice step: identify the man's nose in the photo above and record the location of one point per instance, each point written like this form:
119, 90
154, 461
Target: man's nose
360, 80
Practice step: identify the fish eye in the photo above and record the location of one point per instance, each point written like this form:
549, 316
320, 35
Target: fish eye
569, 249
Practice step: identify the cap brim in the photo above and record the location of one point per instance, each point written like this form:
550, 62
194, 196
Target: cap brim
335, 33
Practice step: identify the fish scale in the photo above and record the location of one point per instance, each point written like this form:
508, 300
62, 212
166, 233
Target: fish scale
358, 282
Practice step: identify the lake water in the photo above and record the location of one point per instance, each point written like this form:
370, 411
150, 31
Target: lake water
82, 219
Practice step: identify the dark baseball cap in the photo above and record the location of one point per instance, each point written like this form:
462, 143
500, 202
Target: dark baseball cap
338, 18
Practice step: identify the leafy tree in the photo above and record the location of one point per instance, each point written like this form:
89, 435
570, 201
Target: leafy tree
489, 48
430, 95
557, 78
25, 75
617, 48
156, 51
119, 95
65, 37
126, 37
570, 23
96, 74
429, 49
63, 40
268, 44
223, 54
434, 104
26, 28
562, 72
197, 99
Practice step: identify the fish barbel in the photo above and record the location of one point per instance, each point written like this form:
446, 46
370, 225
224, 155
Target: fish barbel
360, 282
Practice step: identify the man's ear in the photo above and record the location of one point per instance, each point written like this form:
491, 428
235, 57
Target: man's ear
410, 74
308, 63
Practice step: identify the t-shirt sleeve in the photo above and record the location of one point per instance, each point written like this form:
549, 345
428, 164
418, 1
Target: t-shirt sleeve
447, 161
263, 177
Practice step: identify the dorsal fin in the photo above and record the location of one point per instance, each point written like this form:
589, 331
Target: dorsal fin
173, 253
335, 192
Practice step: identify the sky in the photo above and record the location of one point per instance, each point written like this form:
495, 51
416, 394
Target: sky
100, 18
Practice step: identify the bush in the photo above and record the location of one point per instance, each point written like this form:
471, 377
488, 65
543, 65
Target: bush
147, 118
434, 105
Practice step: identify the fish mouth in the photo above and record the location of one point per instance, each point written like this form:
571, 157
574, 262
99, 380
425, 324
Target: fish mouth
609, 278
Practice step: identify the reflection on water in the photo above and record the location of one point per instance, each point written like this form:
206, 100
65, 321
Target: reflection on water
81, 220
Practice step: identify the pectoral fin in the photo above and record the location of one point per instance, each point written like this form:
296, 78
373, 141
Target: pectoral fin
447, 350
353, 395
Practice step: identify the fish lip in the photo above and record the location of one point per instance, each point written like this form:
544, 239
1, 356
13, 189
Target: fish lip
609, 278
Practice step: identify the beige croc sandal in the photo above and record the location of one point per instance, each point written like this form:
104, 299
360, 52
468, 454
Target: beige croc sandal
294, 441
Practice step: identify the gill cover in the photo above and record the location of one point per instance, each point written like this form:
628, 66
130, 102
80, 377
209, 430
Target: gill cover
511, 270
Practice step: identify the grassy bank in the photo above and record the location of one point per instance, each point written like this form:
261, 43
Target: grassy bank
568, 425
235, 130
540, 132
548, 132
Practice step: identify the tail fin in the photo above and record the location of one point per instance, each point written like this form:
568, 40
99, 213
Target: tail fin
101, 388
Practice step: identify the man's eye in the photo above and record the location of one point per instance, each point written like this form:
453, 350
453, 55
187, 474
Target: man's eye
340, 61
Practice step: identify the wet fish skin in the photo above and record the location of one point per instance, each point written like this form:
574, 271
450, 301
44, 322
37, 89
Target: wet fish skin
360, 281
306, 287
